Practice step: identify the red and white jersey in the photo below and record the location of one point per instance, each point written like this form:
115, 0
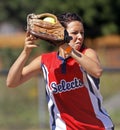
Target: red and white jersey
73, 96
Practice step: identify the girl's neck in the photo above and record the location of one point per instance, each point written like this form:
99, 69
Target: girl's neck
62, 53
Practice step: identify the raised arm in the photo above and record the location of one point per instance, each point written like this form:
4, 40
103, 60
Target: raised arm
89, 61
20, 73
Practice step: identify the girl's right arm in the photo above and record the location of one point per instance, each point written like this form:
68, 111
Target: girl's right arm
20, 73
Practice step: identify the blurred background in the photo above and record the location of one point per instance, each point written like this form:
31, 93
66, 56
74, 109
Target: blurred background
24, 107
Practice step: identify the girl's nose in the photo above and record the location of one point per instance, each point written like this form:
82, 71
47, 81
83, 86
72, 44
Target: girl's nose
80, 35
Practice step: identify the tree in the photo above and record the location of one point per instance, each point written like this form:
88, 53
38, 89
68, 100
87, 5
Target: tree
101, 17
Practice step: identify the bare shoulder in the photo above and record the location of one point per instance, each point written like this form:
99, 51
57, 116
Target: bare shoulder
90, 52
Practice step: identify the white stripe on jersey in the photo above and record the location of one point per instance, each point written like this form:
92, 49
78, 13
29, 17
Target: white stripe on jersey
55, 120
96, 100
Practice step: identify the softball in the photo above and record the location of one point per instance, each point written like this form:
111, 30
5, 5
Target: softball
49, 19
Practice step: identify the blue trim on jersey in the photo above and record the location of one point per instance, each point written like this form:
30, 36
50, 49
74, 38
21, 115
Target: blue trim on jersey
48, 98
96, 81
46, 82
99, 104
63, 65
91, 89
90, 86
53, 116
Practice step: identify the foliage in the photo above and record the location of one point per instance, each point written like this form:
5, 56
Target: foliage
9, 55
101, 17
19, 108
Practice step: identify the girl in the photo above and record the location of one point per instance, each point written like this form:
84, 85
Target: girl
72, 80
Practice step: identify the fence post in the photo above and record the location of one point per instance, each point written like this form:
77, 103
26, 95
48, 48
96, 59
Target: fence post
42, 105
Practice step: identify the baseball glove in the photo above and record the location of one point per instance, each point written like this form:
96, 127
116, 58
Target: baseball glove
54, 33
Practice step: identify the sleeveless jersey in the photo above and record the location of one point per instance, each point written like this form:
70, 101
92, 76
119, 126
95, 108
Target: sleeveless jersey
73, 96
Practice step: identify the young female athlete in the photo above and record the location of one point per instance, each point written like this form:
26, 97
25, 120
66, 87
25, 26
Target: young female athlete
72, 80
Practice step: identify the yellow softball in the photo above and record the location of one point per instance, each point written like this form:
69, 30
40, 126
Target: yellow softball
49, 19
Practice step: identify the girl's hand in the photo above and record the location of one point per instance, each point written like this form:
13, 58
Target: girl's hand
67, 48
29, 42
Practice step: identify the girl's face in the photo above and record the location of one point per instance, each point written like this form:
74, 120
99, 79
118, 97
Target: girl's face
76, 31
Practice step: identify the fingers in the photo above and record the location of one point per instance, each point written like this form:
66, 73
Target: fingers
30, 41
27, 33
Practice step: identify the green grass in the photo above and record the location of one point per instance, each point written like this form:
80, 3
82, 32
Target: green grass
116, 117
110, 84
19, 108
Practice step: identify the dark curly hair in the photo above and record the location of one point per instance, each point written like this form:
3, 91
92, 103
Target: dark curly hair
66, 18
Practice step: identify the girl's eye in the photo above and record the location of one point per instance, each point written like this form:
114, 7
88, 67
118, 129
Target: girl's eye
75, 32
82, 33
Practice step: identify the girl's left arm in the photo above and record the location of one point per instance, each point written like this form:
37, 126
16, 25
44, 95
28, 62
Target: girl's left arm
89, 61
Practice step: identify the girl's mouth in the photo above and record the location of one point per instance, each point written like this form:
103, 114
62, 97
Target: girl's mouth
77, 46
